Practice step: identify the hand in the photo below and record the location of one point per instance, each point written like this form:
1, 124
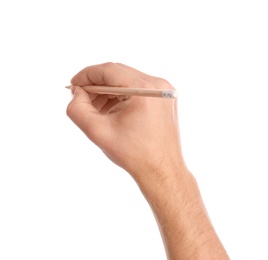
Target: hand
139, 133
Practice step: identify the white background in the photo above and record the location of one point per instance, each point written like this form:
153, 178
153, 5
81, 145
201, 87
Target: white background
60, 197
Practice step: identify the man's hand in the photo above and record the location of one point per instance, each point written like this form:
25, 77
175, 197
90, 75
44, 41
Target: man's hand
141, 135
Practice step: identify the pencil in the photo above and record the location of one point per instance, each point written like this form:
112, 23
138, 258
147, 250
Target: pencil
161, 93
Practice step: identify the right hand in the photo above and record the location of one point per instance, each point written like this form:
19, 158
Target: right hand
139, 134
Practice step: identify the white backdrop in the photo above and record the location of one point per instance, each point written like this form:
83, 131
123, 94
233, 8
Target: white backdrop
60, 197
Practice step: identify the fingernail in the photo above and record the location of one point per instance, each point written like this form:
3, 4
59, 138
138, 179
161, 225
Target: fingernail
122, 98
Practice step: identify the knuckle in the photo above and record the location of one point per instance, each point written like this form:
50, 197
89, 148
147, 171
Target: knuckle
108, 65
119, 64
163, 83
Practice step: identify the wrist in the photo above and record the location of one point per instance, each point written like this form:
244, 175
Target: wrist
175, 186
162, 177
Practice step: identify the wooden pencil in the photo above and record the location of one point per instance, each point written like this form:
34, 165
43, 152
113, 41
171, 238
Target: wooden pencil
161, 93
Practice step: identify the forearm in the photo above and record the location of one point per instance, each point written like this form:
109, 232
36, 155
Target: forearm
183, 222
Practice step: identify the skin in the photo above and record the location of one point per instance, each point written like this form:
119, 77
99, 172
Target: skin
141, 135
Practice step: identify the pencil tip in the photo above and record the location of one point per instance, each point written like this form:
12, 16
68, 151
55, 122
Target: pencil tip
68, 87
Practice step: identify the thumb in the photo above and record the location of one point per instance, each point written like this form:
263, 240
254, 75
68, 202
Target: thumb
81, 111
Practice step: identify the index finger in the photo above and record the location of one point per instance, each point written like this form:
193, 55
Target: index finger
109, 74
